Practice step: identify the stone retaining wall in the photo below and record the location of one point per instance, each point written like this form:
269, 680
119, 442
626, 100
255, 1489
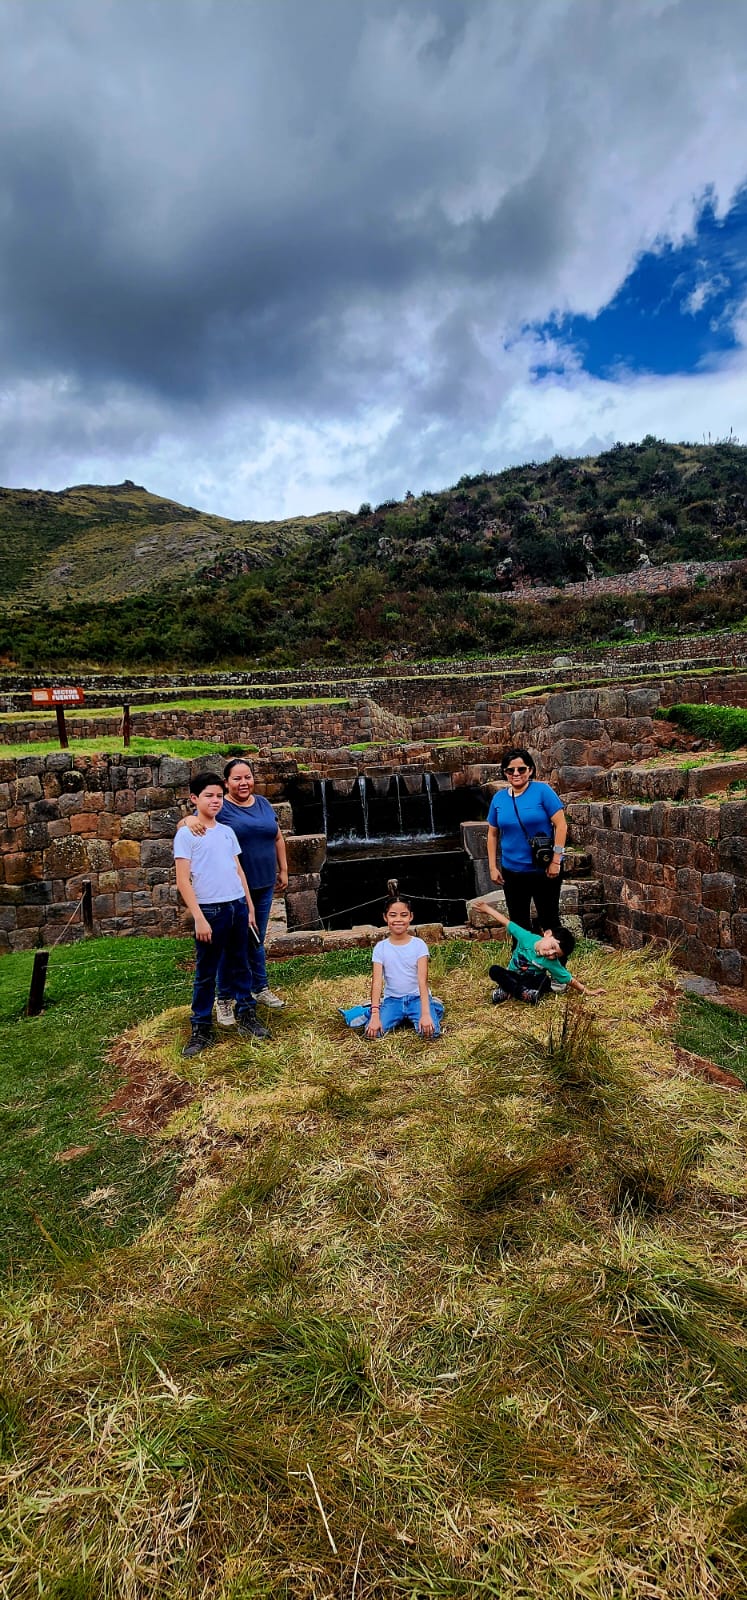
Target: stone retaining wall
282, 682
105, 821
667, 871
646, 579
349, 722
676, 873
110, 820
417, 696
676, 782
579, 736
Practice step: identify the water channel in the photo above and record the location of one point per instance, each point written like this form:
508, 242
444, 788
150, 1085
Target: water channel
404, 827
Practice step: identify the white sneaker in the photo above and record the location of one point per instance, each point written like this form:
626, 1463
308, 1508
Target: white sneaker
272, 1001
224, 1014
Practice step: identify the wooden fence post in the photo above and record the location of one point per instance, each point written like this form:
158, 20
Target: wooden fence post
38, 980
87, 905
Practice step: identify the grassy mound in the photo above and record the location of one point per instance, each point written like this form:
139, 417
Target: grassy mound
111, 744
427, 1320
725, 725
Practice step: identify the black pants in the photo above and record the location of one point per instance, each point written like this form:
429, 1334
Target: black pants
521, 888
514, 983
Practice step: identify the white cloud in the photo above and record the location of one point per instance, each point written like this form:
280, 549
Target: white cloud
703, 291
252, 465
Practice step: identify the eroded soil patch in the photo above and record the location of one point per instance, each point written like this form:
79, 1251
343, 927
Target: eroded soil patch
148, 1098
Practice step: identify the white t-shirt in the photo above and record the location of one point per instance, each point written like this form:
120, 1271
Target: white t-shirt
400, 963
212, 857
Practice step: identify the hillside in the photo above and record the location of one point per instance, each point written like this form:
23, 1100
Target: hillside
99, 543
86, 570
562, 520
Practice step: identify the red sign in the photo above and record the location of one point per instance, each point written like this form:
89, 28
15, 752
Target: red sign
57, 697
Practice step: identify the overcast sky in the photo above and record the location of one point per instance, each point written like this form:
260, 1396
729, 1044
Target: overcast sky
280, 256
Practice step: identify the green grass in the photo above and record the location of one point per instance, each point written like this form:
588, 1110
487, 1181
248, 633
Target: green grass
727, 725
111, 744
207, 703
54, 1079
458, 1319
715, 1032
204, 702
687, 763
629, 681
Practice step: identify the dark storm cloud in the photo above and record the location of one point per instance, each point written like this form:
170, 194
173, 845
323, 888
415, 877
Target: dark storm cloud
247, 215
198, 231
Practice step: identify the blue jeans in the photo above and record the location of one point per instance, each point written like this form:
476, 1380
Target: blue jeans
394, 1010
262, 900
229, 922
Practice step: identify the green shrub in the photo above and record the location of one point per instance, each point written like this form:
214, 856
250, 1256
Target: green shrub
724, 725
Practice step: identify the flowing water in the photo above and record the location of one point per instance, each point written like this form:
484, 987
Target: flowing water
411, 833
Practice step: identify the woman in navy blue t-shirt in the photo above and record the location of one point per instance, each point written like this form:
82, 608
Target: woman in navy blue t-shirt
519, 812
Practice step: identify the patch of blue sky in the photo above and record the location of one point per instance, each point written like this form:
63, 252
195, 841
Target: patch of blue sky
675, 312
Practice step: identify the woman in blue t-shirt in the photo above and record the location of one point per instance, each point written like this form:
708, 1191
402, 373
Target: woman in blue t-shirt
517, 813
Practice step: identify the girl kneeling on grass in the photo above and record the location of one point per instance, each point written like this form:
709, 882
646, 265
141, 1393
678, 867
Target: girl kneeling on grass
400, 974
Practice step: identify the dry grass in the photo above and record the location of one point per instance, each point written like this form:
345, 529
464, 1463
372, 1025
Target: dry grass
458, 1319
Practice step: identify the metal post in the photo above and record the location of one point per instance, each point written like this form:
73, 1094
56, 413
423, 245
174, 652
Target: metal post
38, 980
87, 905
61, 729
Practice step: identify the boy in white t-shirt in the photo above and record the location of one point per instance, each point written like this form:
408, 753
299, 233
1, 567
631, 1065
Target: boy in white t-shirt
399, 988
212, 885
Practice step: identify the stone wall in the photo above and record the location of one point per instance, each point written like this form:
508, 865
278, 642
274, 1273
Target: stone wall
473, 697
729, 649
658, 873
674, 873
111, 688
108, 821
646, 579
668, 871
349, 722
579, 736
104, 821
678, 781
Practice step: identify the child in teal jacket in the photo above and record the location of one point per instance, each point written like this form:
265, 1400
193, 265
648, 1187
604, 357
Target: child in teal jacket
535, 963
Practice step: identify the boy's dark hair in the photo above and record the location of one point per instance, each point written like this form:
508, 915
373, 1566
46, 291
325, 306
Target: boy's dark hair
203, 780
397, 900
567, 942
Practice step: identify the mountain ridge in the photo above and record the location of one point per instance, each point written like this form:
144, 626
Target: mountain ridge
560, 520
119, 575
103, 542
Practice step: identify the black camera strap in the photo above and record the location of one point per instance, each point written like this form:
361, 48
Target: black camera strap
518, 818
541, 847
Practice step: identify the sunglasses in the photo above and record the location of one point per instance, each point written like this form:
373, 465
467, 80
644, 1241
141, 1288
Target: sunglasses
511, 770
